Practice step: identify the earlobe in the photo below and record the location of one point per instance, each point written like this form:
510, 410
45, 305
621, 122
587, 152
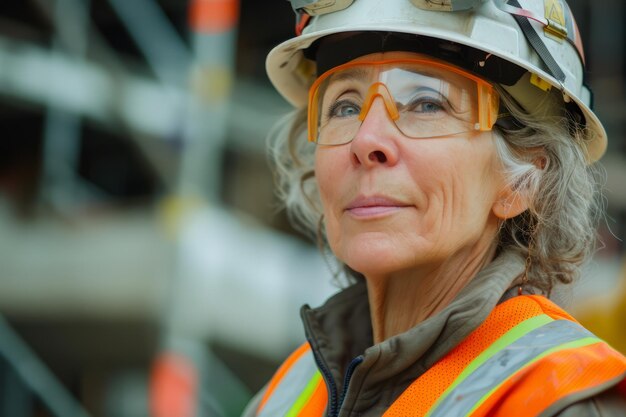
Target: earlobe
510, 204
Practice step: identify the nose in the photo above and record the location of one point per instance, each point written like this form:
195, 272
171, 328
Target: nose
375, 142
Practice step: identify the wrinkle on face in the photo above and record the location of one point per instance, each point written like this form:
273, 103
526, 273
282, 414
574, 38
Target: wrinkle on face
416, 259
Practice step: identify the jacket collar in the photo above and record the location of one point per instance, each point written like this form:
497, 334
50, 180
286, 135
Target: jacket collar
340, 330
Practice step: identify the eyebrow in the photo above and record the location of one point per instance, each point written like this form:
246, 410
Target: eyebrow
349, 74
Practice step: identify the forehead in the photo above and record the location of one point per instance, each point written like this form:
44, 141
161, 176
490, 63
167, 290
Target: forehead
411, 61
382, 56
398, 67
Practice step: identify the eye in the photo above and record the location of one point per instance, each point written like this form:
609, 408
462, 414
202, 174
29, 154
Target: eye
343, 108
426, 105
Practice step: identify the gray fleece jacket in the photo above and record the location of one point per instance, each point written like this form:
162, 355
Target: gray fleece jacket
340, 331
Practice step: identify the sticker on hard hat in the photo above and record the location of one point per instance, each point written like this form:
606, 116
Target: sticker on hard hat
447, 5
555, 11
555, 15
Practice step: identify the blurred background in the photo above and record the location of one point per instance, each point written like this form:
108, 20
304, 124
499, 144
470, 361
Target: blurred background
145, 268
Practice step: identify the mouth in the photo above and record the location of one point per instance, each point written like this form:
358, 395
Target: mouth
374, 206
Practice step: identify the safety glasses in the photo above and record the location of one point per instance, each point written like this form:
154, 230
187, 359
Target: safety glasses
425, 98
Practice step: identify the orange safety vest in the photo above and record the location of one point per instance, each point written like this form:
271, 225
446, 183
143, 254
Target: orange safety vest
527, 355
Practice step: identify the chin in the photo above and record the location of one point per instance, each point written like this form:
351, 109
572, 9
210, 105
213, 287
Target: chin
375, 256
369, 270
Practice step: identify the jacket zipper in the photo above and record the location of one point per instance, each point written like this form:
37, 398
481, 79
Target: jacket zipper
346, 382
334, 406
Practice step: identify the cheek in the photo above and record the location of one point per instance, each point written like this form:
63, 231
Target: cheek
331, 167
458, 185
324, 174
328, 172
478, 190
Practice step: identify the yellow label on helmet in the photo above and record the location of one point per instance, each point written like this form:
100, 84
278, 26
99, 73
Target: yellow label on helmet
554, 11
555, 15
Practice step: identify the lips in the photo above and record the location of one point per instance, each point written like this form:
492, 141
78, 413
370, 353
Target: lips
374, 206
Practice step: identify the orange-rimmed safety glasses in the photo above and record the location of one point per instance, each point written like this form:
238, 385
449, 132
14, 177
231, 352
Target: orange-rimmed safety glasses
425, 98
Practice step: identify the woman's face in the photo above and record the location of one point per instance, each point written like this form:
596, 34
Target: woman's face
392, 203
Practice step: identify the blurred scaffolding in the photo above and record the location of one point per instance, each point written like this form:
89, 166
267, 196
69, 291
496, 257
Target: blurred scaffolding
144, 268
141, 255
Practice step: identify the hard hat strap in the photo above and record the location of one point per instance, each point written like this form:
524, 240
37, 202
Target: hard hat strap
540, 48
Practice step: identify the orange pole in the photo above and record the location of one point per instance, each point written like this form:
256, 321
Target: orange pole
213, 16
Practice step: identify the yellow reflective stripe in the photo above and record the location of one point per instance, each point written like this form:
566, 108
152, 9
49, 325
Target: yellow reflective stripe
569, 345
507, 362
305, 396
290, 389
505, 340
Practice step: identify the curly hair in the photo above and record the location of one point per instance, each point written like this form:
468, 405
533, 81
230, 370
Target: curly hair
545, 161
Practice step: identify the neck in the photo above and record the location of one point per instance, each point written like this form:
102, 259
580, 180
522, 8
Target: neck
402, 300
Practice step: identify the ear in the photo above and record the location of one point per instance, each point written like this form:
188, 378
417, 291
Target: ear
512, 199
509, 204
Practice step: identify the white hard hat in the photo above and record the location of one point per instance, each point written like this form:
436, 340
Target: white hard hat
528, 47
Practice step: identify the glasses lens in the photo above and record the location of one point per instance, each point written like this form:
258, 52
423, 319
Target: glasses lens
424, 99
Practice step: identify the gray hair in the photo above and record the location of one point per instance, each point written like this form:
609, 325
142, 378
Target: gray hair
545, 161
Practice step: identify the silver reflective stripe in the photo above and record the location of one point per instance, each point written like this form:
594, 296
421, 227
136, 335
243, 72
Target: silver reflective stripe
290, 387
505, 363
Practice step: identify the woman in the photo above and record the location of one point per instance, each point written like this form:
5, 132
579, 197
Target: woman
452, 177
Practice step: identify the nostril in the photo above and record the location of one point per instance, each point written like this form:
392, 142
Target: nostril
378, 156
